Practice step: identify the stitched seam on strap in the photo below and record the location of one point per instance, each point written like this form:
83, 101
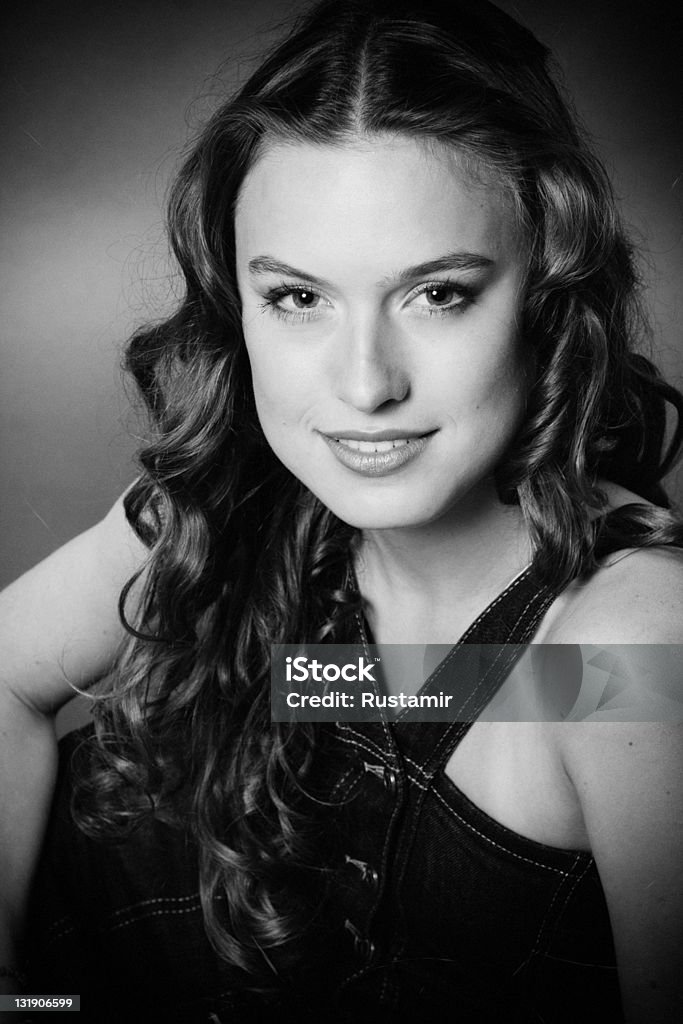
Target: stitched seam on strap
154, 913
535, 951
415, 765
508, 590
370, 749
483, 679
480, 683
354, 735
59, 922
339, 785
157, 899
59, 934
511, 853
62, 934
451, 654
561, 909
533, 625
416, 782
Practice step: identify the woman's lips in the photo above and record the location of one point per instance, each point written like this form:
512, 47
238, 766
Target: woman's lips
378, 454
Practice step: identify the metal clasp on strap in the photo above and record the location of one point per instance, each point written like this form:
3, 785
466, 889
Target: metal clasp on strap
362, 946
388, 776
367, 872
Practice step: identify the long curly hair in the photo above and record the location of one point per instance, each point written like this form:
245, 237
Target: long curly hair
241, 555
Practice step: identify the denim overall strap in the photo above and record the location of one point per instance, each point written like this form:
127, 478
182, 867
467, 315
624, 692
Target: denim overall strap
394, 764
474, 670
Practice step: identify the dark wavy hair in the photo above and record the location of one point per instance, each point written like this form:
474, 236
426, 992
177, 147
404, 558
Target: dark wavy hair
241, 555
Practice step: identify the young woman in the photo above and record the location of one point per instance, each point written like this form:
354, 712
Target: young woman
400, 398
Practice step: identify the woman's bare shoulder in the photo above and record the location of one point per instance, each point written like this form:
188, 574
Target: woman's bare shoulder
634, 597
622, 749
59, 623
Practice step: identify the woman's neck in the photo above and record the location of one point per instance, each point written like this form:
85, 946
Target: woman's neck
425, 584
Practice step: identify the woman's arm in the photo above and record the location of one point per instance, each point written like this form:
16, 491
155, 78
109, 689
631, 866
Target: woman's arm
629, 778
59, 627
629, 774
59, 623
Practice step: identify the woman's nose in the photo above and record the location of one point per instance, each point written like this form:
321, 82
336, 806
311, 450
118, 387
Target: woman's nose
372, 371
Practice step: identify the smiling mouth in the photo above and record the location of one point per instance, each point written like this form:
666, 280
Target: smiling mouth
373, 446
377, 455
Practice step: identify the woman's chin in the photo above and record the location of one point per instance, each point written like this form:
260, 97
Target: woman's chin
389, 518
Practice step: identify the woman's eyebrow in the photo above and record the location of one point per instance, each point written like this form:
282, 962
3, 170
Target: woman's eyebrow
450, 261
269, 265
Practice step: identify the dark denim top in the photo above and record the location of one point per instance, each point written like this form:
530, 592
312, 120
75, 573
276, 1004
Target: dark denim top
422, 908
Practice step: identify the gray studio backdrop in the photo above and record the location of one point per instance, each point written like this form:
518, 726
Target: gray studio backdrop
98, 100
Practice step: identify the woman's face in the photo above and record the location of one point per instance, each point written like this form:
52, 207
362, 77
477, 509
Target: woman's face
381, 292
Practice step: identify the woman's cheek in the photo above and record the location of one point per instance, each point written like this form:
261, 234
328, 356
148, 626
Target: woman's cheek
276, 404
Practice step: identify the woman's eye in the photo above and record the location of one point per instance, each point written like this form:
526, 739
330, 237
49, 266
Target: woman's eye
294, 302
443, 297
300, 299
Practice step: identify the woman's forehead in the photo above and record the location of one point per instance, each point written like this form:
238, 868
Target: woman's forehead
383, 197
